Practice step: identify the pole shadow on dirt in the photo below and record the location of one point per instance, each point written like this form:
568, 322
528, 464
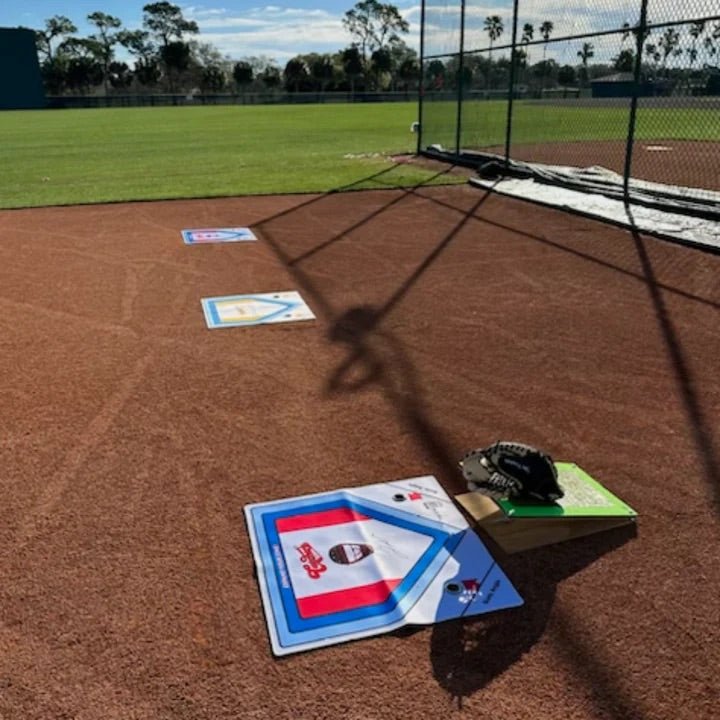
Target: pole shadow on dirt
467, 655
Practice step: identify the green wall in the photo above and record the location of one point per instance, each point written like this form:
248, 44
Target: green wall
20, 82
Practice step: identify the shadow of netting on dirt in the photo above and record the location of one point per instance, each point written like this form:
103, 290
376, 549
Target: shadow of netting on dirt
267, 227
700, 425
625, 254
636, 255
467, 655
375, 357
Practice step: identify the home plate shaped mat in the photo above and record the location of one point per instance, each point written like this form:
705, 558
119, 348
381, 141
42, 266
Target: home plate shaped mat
238, 310
363, 561
217, 235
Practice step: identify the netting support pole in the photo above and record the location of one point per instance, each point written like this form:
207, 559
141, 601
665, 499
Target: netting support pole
641, 33
461, 71
421, 78
511, 85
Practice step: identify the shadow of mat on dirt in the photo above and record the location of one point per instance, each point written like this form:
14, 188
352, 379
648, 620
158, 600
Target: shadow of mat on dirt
467, 655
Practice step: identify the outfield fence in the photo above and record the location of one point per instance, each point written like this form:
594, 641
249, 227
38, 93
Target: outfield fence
254, 98
629, 85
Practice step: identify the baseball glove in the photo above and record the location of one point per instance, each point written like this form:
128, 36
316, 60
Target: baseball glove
512, 470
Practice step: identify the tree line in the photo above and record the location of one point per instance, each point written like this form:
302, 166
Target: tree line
166, 56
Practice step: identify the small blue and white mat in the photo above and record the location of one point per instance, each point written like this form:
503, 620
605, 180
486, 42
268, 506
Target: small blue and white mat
217, 235
241, 310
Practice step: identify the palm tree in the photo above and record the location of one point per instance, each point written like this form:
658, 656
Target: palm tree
709, 44
546, 31
527, 35
651, 50
710, 40
696, 30
494, 28
640, 37
668, 43
626, 34
587, 52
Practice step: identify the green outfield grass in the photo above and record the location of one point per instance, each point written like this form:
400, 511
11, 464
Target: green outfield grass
81, 156
484, 123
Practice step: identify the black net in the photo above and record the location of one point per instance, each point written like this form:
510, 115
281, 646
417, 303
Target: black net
442, 32
630, 86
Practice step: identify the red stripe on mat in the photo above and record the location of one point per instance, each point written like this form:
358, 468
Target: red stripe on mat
349, 599
318, 519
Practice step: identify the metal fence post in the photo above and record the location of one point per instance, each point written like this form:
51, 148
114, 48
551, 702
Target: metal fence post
461, 69
421, 78
511, 89
637, 77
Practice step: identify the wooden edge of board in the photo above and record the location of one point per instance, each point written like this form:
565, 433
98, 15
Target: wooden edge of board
517, 534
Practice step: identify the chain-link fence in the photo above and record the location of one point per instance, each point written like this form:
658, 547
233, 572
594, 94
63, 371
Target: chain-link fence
632, 86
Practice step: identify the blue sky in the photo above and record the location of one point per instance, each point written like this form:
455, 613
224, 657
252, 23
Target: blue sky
237, 28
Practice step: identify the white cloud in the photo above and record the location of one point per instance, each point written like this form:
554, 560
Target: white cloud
261, 20
198, 12
282, 32
569, 17
285, 42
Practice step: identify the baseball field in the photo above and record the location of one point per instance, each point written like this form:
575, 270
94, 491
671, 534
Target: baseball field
109, 155
446, 317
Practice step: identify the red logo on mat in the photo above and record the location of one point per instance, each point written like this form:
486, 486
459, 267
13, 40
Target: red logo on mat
415, 496
312, 560
470, 589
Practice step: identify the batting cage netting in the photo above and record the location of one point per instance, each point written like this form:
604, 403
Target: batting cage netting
626, 90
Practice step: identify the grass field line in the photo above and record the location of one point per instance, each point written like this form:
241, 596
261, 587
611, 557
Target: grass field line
67, 157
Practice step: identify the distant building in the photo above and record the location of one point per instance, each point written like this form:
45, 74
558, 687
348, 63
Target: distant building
620, 85
21, 85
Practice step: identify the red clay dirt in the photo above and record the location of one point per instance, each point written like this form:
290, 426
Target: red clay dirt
131, 437
686, 163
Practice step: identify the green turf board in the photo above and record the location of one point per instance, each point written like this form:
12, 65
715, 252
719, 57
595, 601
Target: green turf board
584, 497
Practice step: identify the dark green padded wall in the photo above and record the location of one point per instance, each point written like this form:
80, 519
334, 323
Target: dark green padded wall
20, 82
